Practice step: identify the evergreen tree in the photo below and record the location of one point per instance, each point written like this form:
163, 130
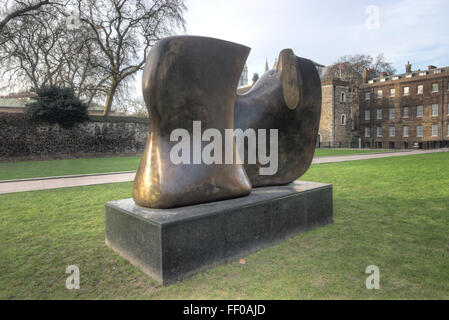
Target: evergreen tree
57, 105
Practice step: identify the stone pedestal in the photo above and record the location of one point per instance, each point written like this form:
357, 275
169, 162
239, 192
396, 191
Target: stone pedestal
171, 244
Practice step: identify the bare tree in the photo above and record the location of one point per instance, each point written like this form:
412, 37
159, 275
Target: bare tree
13, 9
42, 51
99, 58
350, 68
125, 30
133, 107
84, 67
28, 54
381, 65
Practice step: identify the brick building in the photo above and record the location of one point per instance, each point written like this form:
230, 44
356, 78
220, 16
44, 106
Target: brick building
405, 110
336, 122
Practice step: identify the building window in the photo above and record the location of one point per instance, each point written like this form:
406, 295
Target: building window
367, 115
392, 131
419, 131
343, 97
343, 120
379, 114
367, 96
434, 110
405, 131
367, 132
392, 92
391, 113
420, 89
448, 130
379, 94
406, 91
379, 131
405, 112
434, 87
419, 111
434, 130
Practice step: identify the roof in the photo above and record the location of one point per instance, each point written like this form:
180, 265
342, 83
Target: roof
409, 75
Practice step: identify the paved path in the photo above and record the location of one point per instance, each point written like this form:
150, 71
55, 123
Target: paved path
92, 179
365, 156
61, 182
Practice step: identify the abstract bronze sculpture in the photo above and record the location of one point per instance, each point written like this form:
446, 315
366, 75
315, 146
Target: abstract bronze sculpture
287, 98
188, 79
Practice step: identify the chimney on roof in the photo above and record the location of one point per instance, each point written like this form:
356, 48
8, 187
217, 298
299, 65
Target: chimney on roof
408, 67
383, 74
432, 67
368, 74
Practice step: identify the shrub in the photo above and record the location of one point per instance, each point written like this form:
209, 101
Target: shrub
57, 105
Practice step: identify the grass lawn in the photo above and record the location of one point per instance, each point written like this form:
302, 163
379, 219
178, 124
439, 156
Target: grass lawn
322, 152
392, 212
35, 169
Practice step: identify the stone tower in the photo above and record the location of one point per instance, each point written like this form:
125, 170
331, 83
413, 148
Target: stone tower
336, 114
244, 77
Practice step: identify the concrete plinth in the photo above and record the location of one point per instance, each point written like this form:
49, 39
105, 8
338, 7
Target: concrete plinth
171, 244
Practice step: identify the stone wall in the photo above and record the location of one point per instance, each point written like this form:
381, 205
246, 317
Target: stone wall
22, 138
333, 132
343, 131
327, 114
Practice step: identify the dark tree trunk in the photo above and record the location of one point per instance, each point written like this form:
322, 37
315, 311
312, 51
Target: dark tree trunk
109, 100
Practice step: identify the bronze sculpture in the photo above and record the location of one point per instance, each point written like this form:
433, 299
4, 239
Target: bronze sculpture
188, 79
287, 98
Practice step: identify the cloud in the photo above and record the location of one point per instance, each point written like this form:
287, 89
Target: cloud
325, 30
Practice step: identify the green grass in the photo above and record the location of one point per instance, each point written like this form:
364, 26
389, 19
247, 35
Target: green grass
390, 212
323, 152
36, 169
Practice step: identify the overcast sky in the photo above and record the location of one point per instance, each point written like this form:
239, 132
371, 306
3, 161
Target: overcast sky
324, 30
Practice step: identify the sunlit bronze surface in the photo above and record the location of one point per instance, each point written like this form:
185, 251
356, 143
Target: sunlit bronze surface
188, 79
288, 99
